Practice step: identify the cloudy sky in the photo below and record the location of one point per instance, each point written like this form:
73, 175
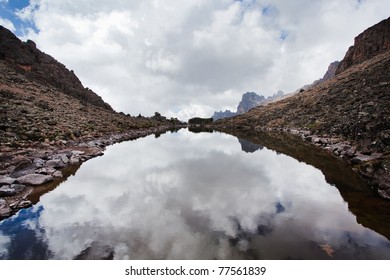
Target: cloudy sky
187, 58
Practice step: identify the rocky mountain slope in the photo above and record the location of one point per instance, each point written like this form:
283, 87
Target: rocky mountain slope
27, 60
349, 114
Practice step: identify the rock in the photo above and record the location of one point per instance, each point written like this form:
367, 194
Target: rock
385, 137
24, 204
57, 174
5, 180
317, 140
46, 170
64, 159
23, 168
39, 162
359, 158
74, 160
2, 203
249, 100
5, 211
7, 191
55, 163
76, 153
34, 179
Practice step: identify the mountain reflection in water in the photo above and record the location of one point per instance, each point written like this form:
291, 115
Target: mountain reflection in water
191, 196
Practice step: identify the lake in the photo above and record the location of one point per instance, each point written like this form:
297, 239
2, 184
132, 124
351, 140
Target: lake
188, 195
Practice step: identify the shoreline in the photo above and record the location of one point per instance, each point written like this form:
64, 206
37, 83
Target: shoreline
373, 167
37, 164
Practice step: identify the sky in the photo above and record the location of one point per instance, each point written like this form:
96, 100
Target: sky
191, 58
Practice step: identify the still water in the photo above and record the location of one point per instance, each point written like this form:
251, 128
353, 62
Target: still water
191, 195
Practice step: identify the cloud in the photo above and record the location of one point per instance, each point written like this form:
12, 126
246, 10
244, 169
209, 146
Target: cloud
7, 24
175, 56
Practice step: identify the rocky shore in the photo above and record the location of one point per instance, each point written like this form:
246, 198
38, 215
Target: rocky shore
371, 165
28, 167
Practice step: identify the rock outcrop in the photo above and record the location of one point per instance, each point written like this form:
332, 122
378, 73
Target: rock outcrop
373, 41
249, 100
39, 67
331, 72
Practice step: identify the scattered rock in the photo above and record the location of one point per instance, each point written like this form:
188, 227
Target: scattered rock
7, 191
23, 168
39, 162
24, 204
5, 180
34, 179
57, 174
46, 170
55, 163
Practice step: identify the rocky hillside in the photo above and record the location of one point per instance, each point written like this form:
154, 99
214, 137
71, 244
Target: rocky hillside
42, 101
353, 106
49, 123
27, 60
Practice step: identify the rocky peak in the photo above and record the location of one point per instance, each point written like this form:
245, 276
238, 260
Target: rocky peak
26, 59
371, 42
249, 100
331, 72
221, 115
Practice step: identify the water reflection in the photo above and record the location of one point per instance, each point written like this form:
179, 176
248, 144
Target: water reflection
191, 196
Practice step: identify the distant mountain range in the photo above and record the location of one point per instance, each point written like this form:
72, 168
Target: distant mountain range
248, 101
251, 100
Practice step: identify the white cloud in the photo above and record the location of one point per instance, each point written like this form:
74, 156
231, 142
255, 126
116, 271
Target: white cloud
7, 24
180, 56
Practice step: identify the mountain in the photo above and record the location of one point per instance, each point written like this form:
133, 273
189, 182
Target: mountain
330, 73
248, 101
348, 114
27, 60
221, 115
373, 41
42, 101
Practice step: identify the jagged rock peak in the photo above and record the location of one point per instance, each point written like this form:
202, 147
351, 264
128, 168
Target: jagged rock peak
371, 42
331, 72
249, 100
221, 115
40, 67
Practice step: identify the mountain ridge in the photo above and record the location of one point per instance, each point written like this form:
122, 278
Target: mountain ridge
35, 65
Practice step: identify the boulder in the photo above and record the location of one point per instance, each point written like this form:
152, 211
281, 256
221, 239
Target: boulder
39, 162
34, 179
57, 174
55, 163
23, 168
5, 180
7, 191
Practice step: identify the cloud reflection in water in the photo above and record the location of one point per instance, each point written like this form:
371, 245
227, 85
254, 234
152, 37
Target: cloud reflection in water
198, 196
